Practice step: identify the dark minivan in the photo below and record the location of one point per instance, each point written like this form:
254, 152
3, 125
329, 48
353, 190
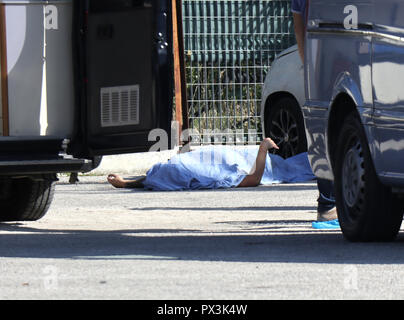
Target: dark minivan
354, 111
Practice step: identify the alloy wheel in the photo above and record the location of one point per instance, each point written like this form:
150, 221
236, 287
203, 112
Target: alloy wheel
284, 132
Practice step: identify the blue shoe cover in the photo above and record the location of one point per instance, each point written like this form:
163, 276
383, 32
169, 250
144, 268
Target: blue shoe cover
332, 224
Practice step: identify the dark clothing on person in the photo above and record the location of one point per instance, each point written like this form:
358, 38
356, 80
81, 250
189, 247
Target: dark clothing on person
326, 199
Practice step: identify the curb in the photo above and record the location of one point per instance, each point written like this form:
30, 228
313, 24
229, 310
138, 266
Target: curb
133, 163
138, 164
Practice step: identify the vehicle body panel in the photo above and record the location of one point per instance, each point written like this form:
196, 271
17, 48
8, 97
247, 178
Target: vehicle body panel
388, 75
39, 77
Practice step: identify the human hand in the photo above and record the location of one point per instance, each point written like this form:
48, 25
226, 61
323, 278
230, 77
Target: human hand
268, 143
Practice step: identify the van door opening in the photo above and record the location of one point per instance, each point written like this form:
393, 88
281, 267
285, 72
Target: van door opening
123, 74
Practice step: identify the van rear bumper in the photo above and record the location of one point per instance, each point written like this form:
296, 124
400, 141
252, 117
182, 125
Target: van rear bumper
35, 155
18, 167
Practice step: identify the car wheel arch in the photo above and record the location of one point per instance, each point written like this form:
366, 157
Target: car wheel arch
342, 105
346, 97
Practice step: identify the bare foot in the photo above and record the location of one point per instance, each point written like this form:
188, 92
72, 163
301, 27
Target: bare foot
116, 181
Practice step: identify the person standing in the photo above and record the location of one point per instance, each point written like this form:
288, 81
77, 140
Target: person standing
326, 209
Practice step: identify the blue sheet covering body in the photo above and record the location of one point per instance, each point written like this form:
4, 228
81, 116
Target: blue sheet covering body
217, 167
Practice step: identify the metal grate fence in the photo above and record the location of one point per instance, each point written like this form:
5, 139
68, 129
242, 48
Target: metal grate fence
229, 46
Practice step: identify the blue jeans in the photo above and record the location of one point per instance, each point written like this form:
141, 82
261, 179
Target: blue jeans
326, 198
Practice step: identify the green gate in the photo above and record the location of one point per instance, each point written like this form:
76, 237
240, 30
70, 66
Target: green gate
229, 47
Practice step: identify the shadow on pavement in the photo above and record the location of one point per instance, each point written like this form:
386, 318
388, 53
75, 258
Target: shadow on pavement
272, 242
249, 208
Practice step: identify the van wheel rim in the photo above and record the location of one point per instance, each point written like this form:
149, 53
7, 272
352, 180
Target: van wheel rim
353, 176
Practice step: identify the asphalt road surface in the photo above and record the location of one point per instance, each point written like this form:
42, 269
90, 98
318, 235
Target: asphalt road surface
97, 242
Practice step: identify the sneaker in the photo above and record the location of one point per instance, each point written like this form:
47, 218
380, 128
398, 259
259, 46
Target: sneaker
327, 215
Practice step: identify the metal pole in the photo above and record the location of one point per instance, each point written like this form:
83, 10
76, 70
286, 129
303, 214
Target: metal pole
181, 106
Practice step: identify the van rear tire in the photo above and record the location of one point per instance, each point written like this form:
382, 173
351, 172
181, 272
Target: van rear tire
26, 199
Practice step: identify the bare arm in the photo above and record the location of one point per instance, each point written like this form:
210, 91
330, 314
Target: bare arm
254, 178
299, 33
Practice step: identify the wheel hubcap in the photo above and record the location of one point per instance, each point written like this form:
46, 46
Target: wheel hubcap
352, 176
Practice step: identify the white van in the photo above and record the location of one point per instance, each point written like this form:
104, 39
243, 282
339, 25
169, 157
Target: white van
79, 79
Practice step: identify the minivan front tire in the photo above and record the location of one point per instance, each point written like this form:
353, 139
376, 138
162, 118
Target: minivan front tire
367, 210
